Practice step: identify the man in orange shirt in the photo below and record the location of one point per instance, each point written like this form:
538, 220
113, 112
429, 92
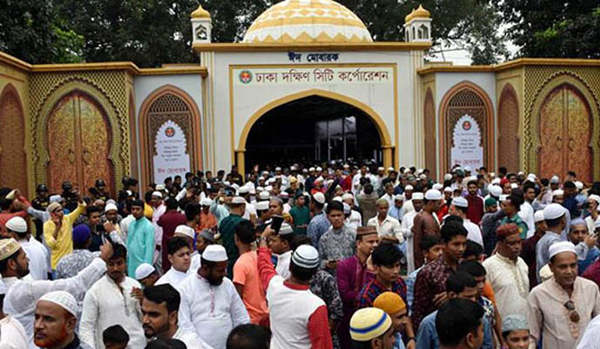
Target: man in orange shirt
246, 277
208, 221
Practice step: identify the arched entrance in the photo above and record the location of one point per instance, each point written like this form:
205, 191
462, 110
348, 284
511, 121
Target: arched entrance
79, 141
508, 126
13, 159
311, 127
565, 134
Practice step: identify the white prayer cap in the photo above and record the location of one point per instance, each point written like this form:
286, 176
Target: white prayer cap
538, 216
438, 186
208, 186
129, 193
514, 185
503, 197
419, 171
448, 177
265, 173
338, 199
264, 195
215, 253
496, 181
433, 195
110, 207
349, 196
243, 190
422, 176
595, 198
319, 169
448, 190
319, 179
520, 173
560, 247
3, 288
390, 169
17, 224
459, 201
578, 185
312, 169
554, 180
238, 200
185, 230
157, 194
347, 208
206, 202
284, 195
407, 170
271, 180
468, 168
58, 198
286, 229
262, 205
418, 196
160, 187
259, 189
409, 187
63, 299
319, 197
558, 192
306, 256
381, 169
495, 190
553, 211
278, 168
400, 197
227, 183
143, 271
531, 178
293, 168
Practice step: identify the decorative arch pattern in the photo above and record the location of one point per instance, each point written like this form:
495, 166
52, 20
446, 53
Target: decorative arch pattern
430, 141
168, 103
13, 157
509, 154
466, 98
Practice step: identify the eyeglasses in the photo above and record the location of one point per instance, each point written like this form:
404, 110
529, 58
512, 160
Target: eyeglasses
573, 315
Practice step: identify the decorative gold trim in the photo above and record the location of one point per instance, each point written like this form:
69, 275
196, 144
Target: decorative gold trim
14, 62
509, 65
256, 47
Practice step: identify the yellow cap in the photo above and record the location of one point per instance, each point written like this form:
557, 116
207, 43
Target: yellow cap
200, 12
369, 323
389, 302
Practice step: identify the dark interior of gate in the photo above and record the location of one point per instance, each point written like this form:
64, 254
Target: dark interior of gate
313, 130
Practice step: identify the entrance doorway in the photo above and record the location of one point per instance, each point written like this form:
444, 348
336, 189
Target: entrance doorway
311, 130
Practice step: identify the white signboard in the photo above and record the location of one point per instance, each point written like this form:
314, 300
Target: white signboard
467, 150
171, 158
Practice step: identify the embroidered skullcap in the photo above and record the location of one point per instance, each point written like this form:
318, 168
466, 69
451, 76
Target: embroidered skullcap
418, 196
491, 201
514, 322
448, 190
438, 186
538, 216
576, 222
264, 195
81, 234
578, 185
390, 302
495, 191
185, 231
53, 207
8, 247
554, 180
595, 198
560, 247
208, 235
238, 200
143, 271
17, 224
364, 231
369, 323
433, 195
347, 196
110, 207
285, 229
63, 299
506, 230
262, 206
206, 202
553, 211
531, 178
215, 253
409, 187
391, 169
399, 197
319, 197
157, 194
459, 201
284, 195
448, 177
306, 257
55, 198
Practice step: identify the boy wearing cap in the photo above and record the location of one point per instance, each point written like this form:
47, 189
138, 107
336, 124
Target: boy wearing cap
372, 328
560, 308
298, 317
281, 247
515, 332
395, 307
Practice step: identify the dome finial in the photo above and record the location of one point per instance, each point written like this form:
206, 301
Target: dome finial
421, 13
200, 12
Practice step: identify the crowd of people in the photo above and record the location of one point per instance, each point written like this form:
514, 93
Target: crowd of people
340, 256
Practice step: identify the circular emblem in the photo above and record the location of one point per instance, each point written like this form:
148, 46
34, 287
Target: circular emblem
246, 76
466, 125
170, 132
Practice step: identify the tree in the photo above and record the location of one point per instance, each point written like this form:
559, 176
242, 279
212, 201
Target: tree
552, 28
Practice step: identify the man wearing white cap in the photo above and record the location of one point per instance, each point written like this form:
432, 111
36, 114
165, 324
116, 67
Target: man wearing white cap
319, 224
561, 308
426, 223
355, 219
396, 210
159, 209
408, 193
298, 317
140, 238
207, 219
210, 305
179, 255
459, 207
22, 295
56, 322
593, 206
406, 226
110, 301
12, 333
250, 210
37, 253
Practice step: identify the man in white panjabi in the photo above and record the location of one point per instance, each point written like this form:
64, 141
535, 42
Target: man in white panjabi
23, 294
180, 259
12, 333
386, 225
37, 253
560, 308
459, 208
111, 302
210, 305
406, 227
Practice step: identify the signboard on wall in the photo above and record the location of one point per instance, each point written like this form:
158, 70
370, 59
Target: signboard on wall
466, 146
171, 157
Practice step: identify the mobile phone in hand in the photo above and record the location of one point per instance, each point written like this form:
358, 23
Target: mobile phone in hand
276, 222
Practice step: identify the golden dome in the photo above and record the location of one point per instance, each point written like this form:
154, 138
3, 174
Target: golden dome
410, 16
307, 21
418, 13
200, 12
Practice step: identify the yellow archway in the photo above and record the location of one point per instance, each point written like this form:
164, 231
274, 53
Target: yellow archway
386, 140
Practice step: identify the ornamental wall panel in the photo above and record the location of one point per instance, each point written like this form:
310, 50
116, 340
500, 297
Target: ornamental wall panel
13, 157
508, 130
